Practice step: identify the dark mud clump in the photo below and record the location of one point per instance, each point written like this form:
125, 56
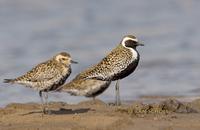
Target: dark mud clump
164, 107
174, 105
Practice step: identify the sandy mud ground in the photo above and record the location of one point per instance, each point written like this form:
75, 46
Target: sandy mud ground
169, 114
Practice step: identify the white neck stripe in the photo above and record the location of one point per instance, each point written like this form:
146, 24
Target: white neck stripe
126, 39
134, 52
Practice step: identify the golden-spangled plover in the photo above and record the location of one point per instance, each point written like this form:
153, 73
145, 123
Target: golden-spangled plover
118, 64
85, 87
46, 76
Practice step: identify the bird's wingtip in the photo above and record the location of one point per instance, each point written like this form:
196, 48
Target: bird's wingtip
59, 89
8, 81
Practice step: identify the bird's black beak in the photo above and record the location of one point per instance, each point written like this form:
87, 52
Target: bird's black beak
74, 62
140, 44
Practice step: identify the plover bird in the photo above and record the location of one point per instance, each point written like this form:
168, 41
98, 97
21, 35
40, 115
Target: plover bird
46, 76
118, 64
85, 87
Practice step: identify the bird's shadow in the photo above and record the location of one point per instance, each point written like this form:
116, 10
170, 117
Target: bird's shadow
61, 111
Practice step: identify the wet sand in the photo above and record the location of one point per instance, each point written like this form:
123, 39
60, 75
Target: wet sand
165, 115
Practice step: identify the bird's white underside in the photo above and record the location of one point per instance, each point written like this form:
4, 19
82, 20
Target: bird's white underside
92, 88
82, 92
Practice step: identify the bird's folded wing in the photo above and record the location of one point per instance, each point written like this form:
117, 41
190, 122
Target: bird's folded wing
105, 75
43, 73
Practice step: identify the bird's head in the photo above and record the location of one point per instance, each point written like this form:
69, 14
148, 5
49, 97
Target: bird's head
64, 58
130, 41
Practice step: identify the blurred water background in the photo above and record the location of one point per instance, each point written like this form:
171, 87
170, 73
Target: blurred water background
31, 31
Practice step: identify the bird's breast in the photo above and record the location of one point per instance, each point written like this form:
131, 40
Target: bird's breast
127, 70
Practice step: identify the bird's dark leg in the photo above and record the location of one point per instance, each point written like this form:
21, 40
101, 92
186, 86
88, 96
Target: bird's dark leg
117, 97
43, 105
46, 102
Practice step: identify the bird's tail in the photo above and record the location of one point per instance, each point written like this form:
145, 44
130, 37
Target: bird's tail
9, 81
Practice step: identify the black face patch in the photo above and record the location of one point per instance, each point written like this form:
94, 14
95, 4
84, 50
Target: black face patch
130, 43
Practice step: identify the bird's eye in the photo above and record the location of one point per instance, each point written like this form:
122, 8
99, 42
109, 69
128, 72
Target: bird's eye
63, 59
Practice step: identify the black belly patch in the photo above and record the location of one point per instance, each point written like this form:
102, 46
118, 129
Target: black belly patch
131, 67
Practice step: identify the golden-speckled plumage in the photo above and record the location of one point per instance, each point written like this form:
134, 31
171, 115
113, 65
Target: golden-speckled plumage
85, 87
45, 76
